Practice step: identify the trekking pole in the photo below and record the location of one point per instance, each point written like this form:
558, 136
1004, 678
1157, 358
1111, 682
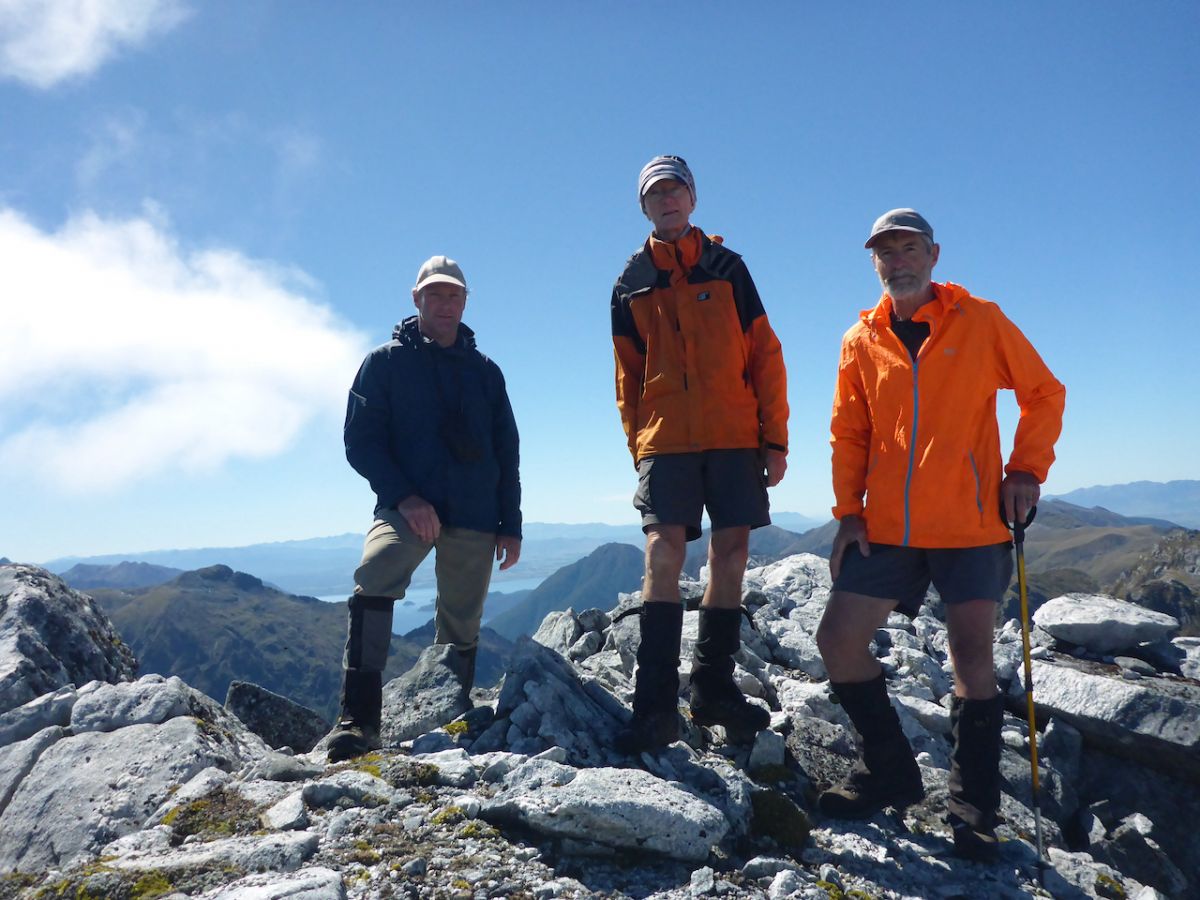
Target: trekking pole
1018, 530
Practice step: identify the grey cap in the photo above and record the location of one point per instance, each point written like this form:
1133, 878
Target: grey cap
666, 167
899, 220
440, 269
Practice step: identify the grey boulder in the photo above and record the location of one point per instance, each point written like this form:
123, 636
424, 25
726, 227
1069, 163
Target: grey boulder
1103, 624
52, 636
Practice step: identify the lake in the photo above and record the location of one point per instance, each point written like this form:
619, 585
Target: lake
417, 606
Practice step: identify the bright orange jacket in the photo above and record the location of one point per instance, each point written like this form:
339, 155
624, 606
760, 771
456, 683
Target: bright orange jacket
697, 364
919, 437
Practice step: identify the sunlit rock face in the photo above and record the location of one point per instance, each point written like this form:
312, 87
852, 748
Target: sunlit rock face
115, 783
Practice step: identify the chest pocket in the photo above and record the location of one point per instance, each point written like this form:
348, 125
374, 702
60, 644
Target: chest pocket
715, 336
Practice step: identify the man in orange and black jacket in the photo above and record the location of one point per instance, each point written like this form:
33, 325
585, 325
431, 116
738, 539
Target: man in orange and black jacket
702, 392
919, 486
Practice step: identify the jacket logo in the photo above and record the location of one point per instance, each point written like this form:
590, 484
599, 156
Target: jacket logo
703, 296
949, 351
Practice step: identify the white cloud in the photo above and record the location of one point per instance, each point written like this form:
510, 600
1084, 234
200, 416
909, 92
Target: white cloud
43, 42
126, 355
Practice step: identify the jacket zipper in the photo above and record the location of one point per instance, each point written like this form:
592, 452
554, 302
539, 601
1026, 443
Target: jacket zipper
912, 451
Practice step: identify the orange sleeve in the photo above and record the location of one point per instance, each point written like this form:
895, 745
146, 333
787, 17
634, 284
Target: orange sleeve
631, 366
768, 375
850, 435
1040, 396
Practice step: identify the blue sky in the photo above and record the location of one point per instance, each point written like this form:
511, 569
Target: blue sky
210, 212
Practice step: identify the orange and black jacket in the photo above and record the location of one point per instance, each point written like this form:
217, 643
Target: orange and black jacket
698, 366
916, 446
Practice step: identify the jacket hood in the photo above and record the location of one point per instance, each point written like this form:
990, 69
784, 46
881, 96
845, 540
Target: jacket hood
945, 297
408, 333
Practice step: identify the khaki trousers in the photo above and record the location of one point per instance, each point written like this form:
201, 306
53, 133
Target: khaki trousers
391, 553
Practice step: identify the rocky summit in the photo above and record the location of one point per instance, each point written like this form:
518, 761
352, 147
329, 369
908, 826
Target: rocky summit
122, 788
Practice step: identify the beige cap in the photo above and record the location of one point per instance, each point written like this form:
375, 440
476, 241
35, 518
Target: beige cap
440, 269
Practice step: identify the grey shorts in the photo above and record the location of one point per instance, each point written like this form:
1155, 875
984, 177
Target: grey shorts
904, 574
675, 488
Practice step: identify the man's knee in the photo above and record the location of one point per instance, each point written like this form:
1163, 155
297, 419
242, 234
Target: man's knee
729, 548
834, 636
971, 628
849, 623
666, 549
386, 568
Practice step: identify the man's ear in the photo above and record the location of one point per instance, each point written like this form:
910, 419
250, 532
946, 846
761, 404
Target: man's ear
937, 249
416, 297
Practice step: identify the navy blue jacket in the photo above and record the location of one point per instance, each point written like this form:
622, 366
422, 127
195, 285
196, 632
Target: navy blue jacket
404, 391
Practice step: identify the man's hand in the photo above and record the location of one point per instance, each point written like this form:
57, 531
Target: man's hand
421, 517
776, 467
851, 530
1019, 493
508, 551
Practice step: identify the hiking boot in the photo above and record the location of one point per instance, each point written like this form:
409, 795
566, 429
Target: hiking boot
975, 776
863, 793
886, 774
716, 699
357, 730
647, 731
349, 739
655, 721
977, 846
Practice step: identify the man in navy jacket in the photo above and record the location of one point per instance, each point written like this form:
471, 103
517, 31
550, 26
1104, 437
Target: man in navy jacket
429, 425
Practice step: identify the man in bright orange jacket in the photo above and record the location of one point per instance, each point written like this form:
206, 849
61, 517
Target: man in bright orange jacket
702, 392
919, 489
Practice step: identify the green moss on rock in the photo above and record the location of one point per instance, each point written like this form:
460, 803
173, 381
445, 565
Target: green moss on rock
1109, 888
777, 817
221, 814
448, 816
151, 885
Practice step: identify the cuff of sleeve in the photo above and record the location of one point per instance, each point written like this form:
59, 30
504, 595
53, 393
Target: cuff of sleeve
778, 448
848, 509
1026, 470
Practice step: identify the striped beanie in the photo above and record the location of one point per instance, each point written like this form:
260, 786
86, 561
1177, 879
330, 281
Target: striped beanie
665, 167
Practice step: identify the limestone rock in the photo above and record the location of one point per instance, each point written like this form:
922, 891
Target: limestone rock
621, 808
52, 636
277, 720
200, 806
1151, 721
1102, 624
132, 746
426, 696
545, 702
41, 712
311, 883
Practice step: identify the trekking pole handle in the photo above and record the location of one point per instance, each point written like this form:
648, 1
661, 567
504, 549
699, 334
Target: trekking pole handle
1018, 528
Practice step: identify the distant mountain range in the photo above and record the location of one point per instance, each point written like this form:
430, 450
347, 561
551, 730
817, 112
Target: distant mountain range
592, 582
767, 544
324, 566
1176, 501
125, 574
214, 625
1071, 548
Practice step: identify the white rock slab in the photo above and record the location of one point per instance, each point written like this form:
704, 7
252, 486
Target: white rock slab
1155, 721
89, 789
1103, 624
315, 883
622, 808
